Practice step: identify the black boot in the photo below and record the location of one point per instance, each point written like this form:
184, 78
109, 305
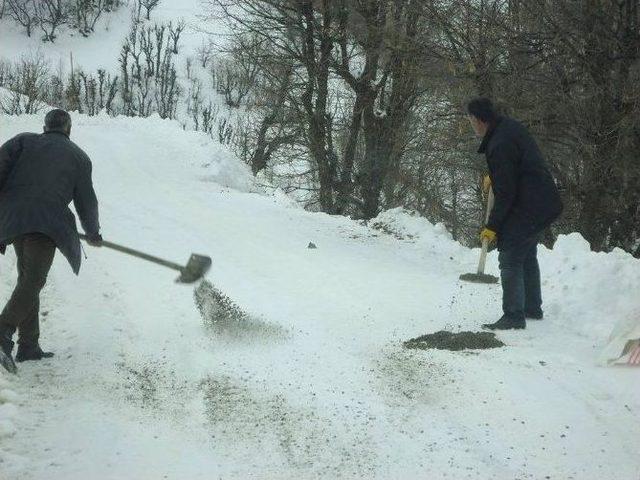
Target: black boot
506, 323
31, 352
6, 346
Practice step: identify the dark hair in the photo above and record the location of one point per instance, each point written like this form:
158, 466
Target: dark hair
482, 108
57, 121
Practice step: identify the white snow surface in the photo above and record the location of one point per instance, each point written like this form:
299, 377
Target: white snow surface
140, 389
102, 48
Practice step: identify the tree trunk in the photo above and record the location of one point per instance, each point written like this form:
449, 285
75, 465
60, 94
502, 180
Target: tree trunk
345, 186
379, 140
315, 98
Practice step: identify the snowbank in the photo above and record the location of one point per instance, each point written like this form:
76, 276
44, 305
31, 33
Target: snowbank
404, 224
191, 152
589, 292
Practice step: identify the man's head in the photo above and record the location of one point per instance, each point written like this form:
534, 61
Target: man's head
482, 115
57, 121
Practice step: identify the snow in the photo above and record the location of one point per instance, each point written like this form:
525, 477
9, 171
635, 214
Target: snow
404, 224
141, 388
102, 48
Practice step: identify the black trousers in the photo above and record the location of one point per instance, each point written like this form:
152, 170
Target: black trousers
35, 252
520, 276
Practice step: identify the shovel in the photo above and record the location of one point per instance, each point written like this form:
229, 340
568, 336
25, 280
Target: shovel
196, 268
480, 276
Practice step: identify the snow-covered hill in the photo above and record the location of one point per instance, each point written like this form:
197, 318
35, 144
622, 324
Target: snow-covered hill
317, 385
102, 48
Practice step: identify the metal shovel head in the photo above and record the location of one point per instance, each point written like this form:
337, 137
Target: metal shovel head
197, 267
479, 278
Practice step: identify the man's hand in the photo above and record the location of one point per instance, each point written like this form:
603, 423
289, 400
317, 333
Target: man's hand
486, 184
489, 235
94, 240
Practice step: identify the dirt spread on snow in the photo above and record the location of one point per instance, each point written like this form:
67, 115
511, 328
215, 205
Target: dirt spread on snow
444, 340
225, 318
252, 420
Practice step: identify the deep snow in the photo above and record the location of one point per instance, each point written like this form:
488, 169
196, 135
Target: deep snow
141, 389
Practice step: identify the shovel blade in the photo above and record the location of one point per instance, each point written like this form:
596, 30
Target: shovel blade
196, 268
478, 278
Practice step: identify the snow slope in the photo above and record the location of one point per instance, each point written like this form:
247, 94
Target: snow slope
102, 48
140, 389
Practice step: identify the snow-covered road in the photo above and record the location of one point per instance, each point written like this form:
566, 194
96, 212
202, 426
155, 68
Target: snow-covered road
140, 389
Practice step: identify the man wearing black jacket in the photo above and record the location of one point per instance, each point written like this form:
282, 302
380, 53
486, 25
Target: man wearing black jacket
40, 174
526, 202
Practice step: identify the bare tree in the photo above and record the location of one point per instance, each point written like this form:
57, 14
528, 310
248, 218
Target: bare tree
51, 14
233, 79
148, 6
88, 12
174, 34
205, 54
167, 90
148, 73
24, 13
293, 32
388, 36
136, 12
107, 91
278, 125
27, 81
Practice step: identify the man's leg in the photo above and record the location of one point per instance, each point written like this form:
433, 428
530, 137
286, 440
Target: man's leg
29, 329
35, 253
532, 289
511, 262
512, 278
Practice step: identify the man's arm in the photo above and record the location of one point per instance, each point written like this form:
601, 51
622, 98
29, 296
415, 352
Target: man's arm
85, 201
9, 152
504, 179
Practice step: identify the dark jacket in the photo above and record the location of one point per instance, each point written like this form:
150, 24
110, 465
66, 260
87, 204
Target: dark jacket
526, 197
40, 174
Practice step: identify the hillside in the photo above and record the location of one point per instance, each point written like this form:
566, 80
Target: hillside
102, 48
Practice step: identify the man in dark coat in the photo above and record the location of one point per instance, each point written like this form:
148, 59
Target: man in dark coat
40, 174
526, 202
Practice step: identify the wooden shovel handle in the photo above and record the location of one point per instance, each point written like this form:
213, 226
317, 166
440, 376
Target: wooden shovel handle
138, 254
485, 242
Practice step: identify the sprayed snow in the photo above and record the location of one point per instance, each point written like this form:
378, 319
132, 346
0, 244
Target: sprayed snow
141, 388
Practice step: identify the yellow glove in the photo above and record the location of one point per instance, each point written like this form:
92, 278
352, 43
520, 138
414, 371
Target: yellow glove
486, 184
489, 235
